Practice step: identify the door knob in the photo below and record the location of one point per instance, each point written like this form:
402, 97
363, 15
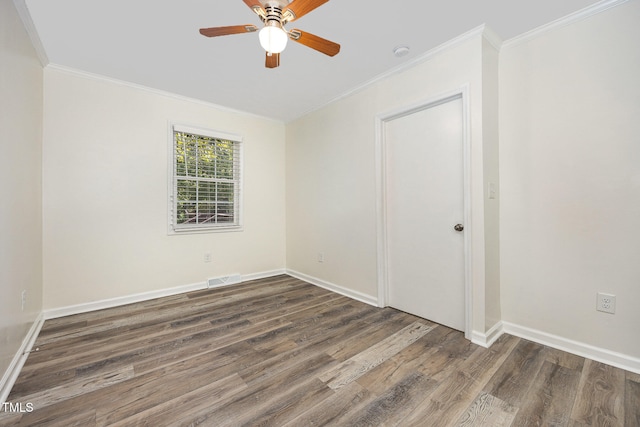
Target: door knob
458, 227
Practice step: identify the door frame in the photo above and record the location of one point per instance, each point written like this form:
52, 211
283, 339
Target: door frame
381, 194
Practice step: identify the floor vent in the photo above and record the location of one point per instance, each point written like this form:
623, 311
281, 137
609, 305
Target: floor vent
217, 282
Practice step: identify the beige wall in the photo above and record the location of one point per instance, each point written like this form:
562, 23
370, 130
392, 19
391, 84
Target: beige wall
21, 190
105, 193
331, 174
570, 178
490, 144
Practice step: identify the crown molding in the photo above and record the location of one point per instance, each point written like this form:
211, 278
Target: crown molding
475, 32
25, 16
101, 78
492, 37
488, 34
564, 21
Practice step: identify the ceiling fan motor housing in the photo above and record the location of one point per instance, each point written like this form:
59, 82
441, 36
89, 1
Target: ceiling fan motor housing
273, 16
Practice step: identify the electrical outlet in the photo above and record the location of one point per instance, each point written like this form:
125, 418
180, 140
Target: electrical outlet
320, 257
23, 299
606, 303
207, 257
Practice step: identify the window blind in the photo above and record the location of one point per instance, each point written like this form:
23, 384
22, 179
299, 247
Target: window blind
206, 179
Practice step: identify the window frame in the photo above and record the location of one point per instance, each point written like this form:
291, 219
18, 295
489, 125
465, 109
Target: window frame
173, 227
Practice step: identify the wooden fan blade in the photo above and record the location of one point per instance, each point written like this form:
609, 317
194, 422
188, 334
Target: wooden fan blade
272, 61
224, 31
255, 5
314, 42
299, 8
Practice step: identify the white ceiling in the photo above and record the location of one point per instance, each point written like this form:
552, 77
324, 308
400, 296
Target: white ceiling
156, 44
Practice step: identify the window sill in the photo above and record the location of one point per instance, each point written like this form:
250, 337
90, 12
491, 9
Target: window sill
204, 230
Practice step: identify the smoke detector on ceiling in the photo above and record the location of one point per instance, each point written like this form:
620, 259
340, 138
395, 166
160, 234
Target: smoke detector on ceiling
401, 51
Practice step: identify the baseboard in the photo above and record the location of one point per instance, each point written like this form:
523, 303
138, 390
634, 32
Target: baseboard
144, 296
367, 299
118, 301
619, 360
11, 374
263, 275
486, 339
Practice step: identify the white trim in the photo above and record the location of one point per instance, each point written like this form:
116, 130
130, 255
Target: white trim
29, 26
238, 141
619, 360
468, 217
11, 374
381, 217
144, 296
483, 30
492, 37
263, 275
171, 95
564, 21
367, 299
486, 339
382, 252
247, 278
478, 31
211, 133
608, 357
70, 310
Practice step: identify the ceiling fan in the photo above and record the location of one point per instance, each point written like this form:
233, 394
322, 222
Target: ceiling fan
275, 14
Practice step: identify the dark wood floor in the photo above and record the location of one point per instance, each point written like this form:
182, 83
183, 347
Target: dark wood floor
281, 352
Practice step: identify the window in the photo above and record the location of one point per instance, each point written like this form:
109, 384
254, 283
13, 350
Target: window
205, 181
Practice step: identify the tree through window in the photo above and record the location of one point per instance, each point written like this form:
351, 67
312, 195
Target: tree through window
206, 180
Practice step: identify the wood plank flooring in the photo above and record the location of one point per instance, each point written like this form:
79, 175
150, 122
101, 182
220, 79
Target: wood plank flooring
281, 352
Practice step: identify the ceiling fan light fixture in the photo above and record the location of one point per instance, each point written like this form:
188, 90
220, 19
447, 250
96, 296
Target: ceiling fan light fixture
273, 38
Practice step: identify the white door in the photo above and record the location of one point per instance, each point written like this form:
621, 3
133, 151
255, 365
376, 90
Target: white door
424, 193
